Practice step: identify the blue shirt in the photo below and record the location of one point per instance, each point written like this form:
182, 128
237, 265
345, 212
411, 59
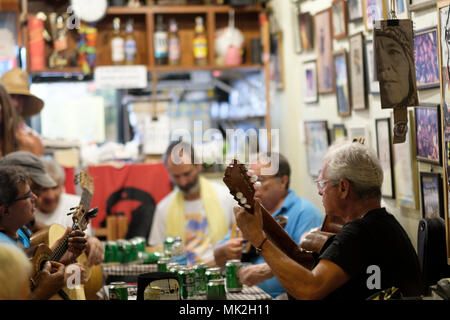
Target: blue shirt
301, 216
23, 238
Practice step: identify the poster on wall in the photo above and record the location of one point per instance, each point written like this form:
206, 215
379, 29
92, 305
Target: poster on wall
426, 58
357, 74
384, 151
342, 83
323, 43
317, 141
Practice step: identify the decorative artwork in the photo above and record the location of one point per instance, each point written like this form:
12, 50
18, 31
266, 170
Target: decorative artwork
373, 85
373, 11
339, 10
426, 58
339, 132
394, 56
342, 83
323, 43
305, 24
384, 150
431, 194
355, 10
361, 133
310, 94
276, 59
317, 141
401, 8
357, 79
405, 169
428, 133
421, 4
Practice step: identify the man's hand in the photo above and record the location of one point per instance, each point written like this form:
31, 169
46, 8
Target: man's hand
51, 280
95, 251
255, 274
232, 249
76, 245
250, 224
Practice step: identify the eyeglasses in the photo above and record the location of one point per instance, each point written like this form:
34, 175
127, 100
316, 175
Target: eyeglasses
27, 195
263, 179
321, 183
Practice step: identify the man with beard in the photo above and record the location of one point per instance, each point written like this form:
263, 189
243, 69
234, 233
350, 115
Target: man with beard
197, 210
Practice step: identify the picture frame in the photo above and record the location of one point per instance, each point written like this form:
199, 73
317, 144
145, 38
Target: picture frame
405, 168
317, 141
431, 195
361, 133
339, 131
373, 86
310, 94
373, 10
428, 133
357, 72
401, 8
324, 45
384, 152
276, 59
426, 58
295, 11
306, 30
415, 5
343, 94
355, 10
339, 18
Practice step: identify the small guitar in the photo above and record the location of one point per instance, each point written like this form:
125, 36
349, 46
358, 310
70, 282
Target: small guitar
80, 216
241, 187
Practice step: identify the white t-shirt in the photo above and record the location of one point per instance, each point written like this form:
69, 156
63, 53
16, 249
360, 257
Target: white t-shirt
59, 216
199, 246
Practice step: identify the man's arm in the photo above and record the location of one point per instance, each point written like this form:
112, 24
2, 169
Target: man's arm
231, 249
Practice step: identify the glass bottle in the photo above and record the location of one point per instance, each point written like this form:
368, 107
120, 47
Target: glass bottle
200, 43
174, 44
160, 46
130, 43
117, 44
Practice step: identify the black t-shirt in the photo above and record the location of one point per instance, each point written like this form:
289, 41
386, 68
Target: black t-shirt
374, 245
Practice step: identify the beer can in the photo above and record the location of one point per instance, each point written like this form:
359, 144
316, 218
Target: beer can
215, 290
172, 267
140, 243
186, 278
111, 252
232, 268
162, 264
200, 278
118, 291
213, 273
152, 293
168, 246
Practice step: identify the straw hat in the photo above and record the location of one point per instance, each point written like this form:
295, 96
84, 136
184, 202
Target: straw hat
16, 82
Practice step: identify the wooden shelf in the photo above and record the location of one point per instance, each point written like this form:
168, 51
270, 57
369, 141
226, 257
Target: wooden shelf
181, 9
208, 67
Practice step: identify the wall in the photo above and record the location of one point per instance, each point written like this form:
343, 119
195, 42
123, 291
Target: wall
289, 112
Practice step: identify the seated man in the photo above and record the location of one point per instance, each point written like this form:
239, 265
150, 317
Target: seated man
15, 273
198, 211
17, 203
281, 202
372, 252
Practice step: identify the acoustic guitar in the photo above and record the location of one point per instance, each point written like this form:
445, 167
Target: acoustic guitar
242, 188
43, 253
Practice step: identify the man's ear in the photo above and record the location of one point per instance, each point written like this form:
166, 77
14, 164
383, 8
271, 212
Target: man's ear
3, 210
344, 188
284, 180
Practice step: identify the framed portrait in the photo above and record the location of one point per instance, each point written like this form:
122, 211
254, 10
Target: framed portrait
357, 74
394, 59
338, 132
373, 10
431, 195
339, 10
305, 25
342, 83
323, 44
355, 10
310, 94
428, 133
317, 142
421, 4
276, 59
426, 58
401, 8
372, 84
405, 168
384, 151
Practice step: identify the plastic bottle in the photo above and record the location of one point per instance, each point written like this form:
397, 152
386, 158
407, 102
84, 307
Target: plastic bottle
200, 43
178, 252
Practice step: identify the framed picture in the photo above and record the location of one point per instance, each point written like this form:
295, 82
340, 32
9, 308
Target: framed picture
317, 142
276, 59
401, 8
384, 151
323, 43
339, 9
305, 25
421, 4
361, 133
426, 58
373, 10
428, 133
355, 10
295, 11
373, 85
357, 74
342, 83
310, 94
431, 195
338, 132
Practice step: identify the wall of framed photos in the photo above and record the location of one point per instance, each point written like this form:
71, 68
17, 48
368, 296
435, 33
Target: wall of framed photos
330, 92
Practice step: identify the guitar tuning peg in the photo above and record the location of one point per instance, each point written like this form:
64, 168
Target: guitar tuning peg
93, 212
254, 178
243, 200
239, 195
257, 184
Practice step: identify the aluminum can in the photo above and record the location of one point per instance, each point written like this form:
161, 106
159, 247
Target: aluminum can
118, 291
168, 246
162, 264
186, 278
215, 290
111, 252
213, 273
200, 278
232, 268
140, 243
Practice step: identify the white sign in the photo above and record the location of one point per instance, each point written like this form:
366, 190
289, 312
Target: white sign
121, 77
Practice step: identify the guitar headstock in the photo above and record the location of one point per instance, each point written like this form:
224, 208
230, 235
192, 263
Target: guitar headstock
240, 184
84, 179
81, 215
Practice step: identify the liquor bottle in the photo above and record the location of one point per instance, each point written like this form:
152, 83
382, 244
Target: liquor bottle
160, 43
174, 44
130, 44
200, 43
117, 44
